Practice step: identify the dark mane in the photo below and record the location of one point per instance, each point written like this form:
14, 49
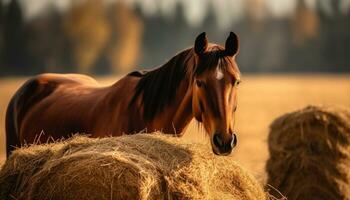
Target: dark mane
158, 87
215, 57
137, 73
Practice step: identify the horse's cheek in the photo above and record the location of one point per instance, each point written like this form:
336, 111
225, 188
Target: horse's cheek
196, 110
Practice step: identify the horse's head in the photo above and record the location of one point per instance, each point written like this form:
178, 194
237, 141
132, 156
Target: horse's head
214, 100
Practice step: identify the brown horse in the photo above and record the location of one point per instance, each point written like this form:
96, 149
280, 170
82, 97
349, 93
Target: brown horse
198, 82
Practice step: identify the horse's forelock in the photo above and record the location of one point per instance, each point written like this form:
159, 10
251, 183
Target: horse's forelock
213, 58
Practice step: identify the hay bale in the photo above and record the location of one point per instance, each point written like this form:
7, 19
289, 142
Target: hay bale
143, 166
310, 154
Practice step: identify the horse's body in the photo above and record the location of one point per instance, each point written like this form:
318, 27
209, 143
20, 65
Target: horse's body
53, 106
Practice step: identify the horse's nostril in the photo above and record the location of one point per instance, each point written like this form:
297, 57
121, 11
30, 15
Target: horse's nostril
217, 140
223, 147
234, 141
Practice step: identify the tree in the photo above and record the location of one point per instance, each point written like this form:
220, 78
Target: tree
305, 23
123, 51
1, 37
14, 41
87, 30
45, 42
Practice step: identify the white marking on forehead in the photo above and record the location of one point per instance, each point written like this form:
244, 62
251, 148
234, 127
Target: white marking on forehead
218, 74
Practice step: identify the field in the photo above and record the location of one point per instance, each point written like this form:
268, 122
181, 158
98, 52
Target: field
262, 98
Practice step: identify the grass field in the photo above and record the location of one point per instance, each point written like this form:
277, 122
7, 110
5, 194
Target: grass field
262, 98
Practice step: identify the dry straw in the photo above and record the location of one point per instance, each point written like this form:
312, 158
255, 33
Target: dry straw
140, 166
310, 154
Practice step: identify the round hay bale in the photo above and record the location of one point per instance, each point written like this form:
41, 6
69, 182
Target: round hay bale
310, 154
142, 166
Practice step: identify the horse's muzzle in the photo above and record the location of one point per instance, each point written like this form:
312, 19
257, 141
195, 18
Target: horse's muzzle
223, 147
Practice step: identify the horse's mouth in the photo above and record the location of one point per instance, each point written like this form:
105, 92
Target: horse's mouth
221, 154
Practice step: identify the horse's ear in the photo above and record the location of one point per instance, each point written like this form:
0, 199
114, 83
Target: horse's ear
232, 44
201, 44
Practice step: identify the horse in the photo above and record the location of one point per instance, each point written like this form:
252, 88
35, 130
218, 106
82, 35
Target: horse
200, 82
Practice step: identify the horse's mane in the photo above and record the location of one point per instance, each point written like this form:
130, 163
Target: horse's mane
158, 87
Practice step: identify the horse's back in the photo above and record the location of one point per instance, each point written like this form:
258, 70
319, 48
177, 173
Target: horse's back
65, 79
39, 87
31, 93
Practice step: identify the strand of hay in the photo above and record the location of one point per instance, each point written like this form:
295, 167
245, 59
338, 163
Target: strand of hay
142, 166
310, 154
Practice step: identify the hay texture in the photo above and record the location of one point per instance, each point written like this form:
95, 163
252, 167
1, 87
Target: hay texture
310, 154
142, 166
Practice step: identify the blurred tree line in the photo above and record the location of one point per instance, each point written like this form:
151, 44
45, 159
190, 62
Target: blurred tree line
88, 38
95, 37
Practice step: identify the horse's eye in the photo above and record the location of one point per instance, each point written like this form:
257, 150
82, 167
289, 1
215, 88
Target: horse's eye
199, 83
237, 82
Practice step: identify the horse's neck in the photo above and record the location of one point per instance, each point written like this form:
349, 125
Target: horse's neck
183, 115
181, 110
177, 113
181, 106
